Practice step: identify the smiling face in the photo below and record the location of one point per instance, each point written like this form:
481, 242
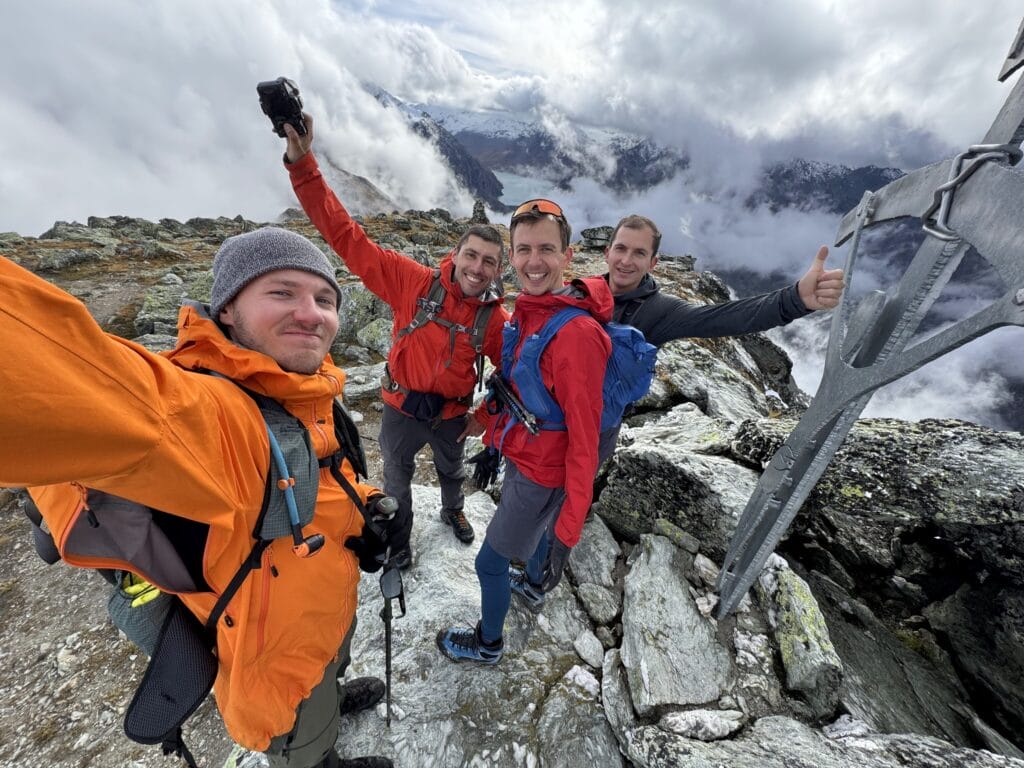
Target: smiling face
477, 264
289, 315
629, 258
538, 256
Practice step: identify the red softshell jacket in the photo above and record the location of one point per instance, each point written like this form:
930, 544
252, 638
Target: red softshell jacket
572, 367
423, 360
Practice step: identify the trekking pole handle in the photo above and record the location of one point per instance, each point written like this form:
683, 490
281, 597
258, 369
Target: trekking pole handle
384, 509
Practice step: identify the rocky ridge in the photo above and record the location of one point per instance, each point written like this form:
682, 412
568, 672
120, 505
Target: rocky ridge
887, 632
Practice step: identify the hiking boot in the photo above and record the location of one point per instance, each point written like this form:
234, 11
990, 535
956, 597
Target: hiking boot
525, 591
402, 559
370, 761
456, 518
464, 644
359, 694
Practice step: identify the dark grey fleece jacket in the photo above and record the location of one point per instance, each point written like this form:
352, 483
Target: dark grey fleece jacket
663, 318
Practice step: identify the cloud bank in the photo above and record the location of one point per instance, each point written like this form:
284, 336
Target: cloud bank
149, 109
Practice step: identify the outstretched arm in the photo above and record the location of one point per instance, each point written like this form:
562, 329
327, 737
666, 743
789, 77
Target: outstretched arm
81, 405
386, 273
663, 317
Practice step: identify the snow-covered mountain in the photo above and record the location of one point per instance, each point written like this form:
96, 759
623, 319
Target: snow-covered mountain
478, 143
807, 184
474, 175
558, 151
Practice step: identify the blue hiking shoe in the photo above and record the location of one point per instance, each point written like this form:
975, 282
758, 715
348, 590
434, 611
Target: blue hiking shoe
527, 593
464, 644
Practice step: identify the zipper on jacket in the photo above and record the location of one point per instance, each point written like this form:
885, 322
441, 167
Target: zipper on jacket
314, 426
83, 506
269, 571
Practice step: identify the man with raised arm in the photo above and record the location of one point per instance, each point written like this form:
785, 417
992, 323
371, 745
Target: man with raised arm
438, 344
633, 254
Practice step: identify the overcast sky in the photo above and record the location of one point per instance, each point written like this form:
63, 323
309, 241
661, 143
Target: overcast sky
149, 108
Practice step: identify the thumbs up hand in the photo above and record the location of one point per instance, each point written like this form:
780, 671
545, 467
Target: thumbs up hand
821, 288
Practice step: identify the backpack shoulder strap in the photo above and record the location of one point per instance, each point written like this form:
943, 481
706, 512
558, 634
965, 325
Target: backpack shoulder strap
558, 320
481, 321
350, 441
429, 306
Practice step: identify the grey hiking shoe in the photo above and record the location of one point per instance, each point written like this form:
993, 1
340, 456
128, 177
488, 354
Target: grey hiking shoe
464, 644
527, 593
456, 518
359, 694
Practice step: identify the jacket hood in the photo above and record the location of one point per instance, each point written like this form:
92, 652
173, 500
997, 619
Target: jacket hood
203, 345
491, 295
646, 288
589, 293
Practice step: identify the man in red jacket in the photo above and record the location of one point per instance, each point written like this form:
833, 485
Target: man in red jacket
432, 365
549, 476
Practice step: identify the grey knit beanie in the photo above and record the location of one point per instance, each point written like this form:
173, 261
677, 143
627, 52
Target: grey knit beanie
243, 258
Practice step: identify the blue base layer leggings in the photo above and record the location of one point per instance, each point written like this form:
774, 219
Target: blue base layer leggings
495, 588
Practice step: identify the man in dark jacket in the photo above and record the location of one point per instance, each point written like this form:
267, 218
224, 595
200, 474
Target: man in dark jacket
662, 318
633, 254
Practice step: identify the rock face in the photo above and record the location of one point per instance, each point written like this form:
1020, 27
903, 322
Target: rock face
888, 632
811, 663
670, 652
659, 476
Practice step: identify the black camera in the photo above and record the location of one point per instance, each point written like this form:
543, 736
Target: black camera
280, 102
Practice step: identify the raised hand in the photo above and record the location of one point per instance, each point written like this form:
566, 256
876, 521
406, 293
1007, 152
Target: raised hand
299, 145
821, 288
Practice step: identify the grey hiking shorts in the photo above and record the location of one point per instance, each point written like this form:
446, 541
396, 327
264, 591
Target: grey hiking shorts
524, 514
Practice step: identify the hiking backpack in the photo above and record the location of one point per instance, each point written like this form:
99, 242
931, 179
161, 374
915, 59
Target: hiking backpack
117, 536
627, 376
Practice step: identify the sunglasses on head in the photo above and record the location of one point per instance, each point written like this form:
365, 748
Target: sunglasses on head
539, 206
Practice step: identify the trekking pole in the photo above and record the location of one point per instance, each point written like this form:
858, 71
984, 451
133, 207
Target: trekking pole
391, 588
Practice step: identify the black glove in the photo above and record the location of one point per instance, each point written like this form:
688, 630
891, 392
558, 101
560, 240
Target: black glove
386, 519
558, 554
488, 462
369, 549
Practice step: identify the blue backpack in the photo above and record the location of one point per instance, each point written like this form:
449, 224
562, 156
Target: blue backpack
627, 376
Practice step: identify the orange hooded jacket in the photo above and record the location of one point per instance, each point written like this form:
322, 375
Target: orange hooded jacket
84, 406
425, 360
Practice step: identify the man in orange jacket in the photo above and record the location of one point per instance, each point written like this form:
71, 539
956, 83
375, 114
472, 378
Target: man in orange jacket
432, 367
84, 409
549, 476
